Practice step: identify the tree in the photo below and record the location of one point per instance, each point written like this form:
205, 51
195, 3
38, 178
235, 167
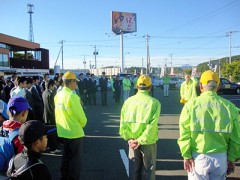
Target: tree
187, 71
231, 71
19, 55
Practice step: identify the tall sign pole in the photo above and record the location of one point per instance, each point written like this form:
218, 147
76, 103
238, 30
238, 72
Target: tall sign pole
122, 52
123, 22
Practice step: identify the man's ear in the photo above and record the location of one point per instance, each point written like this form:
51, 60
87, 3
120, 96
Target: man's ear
150, 88
201, 87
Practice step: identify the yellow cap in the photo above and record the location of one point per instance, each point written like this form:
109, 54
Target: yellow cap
209, 76
69, 75
144, 81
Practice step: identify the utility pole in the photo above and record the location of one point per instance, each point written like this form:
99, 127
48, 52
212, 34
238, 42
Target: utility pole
95, 53
229, 34
84, 64
171, 59
142, 66
61, 42
219, 68
148, 57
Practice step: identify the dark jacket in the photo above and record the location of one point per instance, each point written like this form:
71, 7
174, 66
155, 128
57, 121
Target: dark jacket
81, 86
37, 172
31, 114
117, 86
7, 90
37, 104
88, 84
49, 107
103, 83
93, 86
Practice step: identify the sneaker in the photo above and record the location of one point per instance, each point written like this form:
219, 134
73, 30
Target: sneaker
56, 151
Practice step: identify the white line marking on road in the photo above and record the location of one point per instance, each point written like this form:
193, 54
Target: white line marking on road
113, 137
125, 160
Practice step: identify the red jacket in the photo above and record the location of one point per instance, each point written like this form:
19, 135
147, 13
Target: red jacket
9, 126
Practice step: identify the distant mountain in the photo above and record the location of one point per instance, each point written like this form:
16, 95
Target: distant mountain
186, 66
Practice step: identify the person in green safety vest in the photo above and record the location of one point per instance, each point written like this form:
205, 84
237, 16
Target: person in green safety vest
126, 87
135, 84
139, 127
112, 79
209, 127
166, 79
70, 123
188, 89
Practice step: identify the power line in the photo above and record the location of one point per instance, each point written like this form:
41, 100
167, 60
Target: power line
185, 37
211, 14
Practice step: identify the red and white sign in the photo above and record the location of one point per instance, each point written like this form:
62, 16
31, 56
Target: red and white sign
124, 22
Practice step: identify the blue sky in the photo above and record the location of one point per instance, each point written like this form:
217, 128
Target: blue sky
192, 31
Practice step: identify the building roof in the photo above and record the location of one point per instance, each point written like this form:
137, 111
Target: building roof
18, 44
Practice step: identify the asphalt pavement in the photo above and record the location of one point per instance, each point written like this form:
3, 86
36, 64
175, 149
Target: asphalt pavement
105, 152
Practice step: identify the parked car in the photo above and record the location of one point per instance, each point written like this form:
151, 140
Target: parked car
156, 81
226, 87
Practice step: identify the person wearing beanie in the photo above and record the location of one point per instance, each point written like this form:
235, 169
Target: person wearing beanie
27, 165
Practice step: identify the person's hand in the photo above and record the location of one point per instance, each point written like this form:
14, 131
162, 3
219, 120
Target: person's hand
231, 167
133, 144
189, 165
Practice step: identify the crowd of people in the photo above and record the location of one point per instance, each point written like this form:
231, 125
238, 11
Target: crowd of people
37, 108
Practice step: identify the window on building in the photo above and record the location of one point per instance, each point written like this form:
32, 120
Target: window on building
3, 45
38, 55
4, 60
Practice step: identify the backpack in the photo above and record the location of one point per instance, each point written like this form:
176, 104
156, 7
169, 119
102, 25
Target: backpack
17, 174
7, 149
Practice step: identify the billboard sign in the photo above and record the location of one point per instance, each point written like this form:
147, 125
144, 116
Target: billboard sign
124, 22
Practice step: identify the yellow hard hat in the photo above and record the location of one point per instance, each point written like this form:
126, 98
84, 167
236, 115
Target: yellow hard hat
209, 76
144, 80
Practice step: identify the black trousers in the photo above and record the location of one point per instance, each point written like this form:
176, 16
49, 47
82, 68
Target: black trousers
71, 160
117, 96
94, 98
104, 97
